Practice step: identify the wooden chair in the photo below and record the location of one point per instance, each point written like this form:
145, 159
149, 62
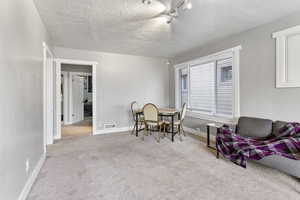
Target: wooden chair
179, 124
152, 121
134, 107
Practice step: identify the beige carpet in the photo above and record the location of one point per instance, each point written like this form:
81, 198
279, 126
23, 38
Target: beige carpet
123, 167
83, 128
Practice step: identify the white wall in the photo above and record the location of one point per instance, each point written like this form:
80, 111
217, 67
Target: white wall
259, 97
122, 79
21, 87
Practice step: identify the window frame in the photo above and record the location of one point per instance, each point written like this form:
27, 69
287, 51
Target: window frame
232, 52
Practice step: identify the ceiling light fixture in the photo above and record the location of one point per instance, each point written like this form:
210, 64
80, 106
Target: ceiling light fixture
173, 13
147, 2
187, 4
169, 19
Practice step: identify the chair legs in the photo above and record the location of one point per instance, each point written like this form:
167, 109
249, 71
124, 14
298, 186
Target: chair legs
160, 129
183, 131
179, 132
145, 132
148, 129
134, 128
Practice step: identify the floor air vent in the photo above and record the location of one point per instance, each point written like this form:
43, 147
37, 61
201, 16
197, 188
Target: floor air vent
106, 126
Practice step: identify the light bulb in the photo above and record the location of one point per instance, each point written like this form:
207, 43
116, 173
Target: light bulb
189, 6
148, 2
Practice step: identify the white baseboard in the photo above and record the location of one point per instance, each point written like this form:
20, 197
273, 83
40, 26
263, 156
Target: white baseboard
190, 130
113, 130
194, 131
32, 178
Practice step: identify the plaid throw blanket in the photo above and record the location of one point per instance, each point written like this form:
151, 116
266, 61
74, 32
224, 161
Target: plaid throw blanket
240, 149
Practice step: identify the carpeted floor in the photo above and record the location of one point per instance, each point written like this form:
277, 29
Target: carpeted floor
123, 167
79, 129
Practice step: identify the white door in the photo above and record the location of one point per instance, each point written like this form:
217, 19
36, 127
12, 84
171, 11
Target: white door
77, 98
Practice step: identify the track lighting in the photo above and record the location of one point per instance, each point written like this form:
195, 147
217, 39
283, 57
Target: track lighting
169, 19
173, 13
187, 4
147, 2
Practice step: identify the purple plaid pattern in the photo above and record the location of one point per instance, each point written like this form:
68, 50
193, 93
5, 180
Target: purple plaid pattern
240, 149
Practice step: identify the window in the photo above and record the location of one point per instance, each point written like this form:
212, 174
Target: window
184, 86
202, 87
224, 89
226, 74
184, 82
210, 85
287, 57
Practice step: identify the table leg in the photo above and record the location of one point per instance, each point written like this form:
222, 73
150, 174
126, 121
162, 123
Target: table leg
136, 125
172, 128
218, 154
208, 136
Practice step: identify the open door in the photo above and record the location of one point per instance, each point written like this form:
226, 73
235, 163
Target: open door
77, 98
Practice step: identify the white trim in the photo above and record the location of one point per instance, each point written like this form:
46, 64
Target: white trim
47, 92
216, 118
94, 97
235, 54
58, 100
194, 131
191, 130
60, 61
236, 84
76, 62
282, 64
113, 130
285, 32
33, 176
215, 56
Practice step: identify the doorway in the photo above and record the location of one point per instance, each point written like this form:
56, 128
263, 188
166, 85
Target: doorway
75, 98
77, 101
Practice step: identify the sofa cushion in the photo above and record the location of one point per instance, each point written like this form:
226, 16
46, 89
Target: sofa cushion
277, 126
254, 127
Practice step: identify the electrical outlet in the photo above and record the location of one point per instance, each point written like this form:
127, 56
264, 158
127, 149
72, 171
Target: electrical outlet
27, 165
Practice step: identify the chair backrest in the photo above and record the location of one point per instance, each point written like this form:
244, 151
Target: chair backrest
134, 106
150, 112
183, 112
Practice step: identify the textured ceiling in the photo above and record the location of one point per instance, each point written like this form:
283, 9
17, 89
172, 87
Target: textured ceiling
130, 27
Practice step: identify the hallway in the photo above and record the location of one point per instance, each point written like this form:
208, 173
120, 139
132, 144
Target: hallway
79, 129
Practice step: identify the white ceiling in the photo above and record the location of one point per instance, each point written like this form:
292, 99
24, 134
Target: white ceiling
130, 27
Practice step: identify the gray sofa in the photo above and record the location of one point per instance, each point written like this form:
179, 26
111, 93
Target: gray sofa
264, 128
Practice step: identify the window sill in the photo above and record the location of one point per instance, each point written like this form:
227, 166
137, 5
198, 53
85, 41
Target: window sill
221, 119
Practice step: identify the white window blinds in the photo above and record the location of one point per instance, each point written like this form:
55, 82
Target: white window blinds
224, 87
202, 87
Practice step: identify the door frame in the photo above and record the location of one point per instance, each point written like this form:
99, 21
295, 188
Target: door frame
48, 91
59, 62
